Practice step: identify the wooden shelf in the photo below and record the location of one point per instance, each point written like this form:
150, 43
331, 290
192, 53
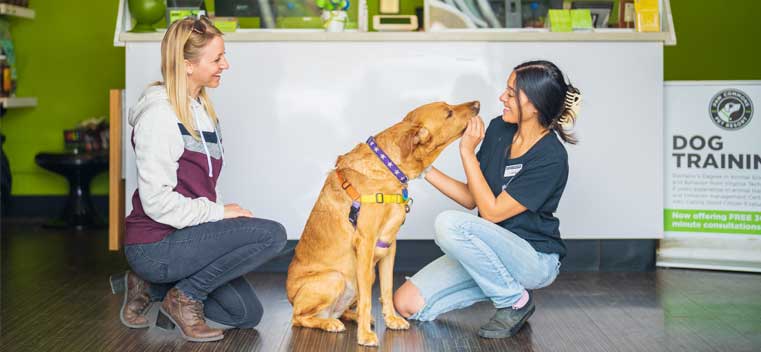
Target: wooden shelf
18, 11
17, 102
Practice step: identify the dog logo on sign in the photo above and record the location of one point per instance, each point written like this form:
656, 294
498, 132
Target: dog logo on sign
731, 109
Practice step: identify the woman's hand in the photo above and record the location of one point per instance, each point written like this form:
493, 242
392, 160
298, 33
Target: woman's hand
473, 135
235, 211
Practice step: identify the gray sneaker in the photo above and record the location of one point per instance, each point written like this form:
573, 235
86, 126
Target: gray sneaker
506, 322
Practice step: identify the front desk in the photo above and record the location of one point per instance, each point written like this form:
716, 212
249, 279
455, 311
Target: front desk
293, 101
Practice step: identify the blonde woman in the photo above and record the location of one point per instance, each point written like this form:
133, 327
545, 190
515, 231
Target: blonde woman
185, 247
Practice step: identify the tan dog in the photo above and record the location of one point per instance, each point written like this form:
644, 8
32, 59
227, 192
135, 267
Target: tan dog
333, 268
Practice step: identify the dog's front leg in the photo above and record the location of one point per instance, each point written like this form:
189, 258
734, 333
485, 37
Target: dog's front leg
386, 272
365, 277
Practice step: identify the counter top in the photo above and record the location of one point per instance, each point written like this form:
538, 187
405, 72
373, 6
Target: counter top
295, 35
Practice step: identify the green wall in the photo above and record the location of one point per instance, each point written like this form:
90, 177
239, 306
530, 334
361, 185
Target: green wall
67, 60
716, 40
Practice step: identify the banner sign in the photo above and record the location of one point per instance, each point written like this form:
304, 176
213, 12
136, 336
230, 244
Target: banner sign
713, 157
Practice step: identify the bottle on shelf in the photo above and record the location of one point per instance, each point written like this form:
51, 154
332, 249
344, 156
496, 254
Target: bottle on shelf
9, 83
5, 79
626, 14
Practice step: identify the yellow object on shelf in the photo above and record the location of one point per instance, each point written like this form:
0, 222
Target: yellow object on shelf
648, 18
560, 20
226, 24
581, 20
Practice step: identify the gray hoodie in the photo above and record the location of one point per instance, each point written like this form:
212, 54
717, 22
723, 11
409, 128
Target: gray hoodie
177, 174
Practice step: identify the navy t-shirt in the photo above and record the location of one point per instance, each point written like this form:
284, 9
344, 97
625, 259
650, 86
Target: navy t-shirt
536, 180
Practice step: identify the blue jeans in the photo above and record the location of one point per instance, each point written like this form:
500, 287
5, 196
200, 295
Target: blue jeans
207, 262
481, 261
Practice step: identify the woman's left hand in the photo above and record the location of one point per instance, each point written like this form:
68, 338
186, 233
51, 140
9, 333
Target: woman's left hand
233, 210
473, 135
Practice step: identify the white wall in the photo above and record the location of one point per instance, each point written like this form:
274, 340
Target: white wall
288, 109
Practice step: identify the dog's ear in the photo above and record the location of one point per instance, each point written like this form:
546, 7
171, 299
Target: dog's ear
414, 137
422, 136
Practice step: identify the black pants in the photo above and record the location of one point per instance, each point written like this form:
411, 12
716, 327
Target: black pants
207, 262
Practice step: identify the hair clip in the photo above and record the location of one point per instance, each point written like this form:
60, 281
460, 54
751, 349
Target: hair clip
572, 105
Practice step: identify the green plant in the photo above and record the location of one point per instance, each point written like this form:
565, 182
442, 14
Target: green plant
332, 5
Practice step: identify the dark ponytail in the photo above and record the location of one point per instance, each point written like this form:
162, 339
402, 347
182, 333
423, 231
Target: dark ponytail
556, 101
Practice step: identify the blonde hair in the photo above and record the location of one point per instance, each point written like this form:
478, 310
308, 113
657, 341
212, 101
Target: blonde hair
184, 40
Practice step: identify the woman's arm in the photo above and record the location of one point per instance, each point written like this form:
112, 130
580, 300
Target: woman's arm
158, 147
454, 189
494, 209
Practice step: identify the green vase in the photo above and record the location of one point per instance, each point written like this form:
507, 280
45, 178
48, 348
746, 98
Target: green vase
146, 13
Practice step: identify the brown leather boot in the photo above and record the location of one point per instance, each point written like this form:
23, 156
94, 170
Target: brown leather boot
177, 309
136, 302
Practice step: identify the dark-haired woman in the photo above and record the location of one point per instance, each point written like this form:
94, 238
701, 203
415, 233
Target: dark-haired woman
515, 180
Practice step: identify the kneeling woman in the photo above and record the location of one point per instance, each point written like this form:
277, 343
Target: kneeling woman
185, 247
516, 181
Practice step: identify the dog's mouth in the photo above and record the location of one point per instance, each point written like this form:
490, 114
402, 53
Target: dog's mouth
462, 130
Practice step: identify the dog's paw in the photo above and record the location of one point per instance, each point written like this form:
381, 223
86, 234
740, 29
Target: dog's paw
367, 338
352, 316
395, 322
333, 325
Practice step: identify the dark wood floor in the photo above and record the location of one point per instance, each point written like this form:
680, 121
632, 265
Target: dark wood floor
55, 297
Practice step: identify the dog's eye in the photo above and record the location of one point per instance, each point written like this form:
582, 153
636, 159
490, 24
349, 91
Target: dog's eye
449, 114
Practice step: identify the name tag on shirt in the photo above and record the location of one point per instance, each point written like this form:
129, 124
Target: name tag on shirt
512, 170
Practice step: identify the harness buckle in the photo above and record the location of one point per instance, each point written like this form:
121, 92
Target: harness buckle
379, 197
354, 214
345, 185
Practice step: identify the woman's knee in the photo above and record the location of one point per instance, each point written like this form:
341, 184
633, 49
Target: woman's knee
248, 317
250, 310
276, 233
280, 236
448, 228
408, 300
257, 230
254, 313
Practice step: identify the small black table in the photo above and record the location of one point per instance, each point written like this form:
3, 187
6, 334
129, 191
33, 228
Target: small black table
79, 169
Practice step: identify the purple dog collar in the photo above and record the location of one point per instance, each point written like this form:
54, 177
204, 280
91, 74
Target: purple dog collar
382, 244
387, 161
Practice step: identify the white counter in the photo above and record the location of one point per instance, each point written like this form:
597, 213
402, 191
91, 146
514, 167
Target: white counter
290, 107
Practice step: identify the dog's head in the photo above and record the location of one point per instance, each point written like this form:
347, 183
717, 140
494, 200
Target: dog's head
432, 127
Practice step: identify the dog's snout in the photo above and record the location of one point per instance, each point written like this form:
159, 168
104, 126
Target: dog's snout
475, 106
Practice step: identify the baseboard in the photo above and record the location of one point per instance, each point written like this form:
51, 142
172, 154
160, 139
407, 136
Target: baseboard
710, 251
411, 255
610, 255
47, 206
583, 255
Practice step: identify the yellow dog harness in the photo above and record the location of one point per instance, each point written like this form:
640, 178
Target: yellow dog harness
378, 198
